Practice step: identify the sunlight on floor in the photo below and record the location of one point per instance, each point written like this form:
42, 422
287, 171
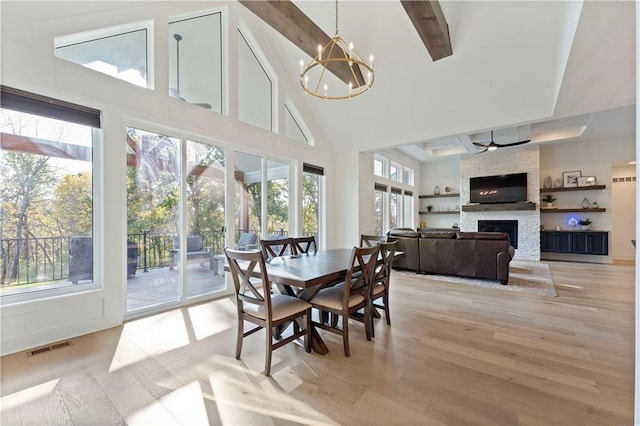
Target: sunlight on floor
29, 395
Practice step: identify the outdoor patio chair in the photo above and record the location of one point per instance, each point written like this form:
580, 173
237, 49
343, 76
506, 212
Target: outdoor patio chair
247, 241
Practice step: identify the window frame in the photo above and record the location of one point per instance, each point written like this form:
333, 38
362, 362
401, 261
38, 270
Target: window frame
34, 104
112, 31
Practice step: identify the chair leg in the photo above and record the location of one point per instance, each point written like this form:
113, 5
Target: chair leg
385, 299
269, 349
307, 337
345, 333
368, 320
239, 337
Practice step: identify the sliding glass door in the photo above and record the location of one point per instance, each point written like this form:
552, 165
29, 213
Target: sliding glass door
175, 220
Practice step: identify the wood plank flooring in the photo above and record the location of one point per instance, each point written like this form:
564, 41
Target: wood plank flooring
454, 355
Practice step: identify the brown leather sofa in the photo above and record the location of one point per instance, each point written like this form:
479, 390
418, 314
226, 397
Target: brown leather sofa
467, 254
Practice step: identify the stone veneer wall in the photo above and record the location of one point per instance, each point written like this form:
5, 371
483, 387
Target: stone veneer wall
506, 161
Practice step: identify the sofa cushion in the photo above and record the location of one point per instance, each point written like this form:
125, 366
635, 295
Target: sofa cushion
483, 236
446, 235
407, 233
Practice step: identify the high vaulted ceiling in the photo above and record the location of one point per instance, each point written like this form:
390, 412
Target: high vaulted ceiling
524, 69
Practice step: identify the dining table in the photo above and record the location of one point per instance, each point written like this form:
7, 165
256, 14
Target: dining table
303, 275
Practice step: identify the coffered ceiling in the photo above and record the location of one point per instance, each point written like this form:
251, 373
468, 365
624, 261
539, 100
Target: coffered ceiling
526, 69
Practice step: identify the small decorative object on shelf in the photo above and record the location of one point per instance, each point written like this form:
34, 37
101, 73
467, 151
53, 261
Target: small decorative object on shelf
584, 223
571, 178
557, 183
436, 190
429, 208
447, 189
455, 226
595, 205
586, 181
549, 199
585, 203
547, 182
573, 222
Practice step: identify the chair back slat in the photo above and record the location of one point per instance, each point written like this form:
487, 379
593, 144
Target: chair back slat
276, 248
371, 240
303, 245
383, 268
362, 260
249, 288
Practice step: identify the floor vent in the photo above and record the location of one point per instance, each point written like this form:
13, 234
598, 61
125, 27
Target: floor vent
49, 348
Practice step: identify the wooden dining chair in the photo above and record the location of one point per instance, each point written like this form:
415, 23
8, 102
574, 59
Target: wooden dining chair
371, 240
276, 247
257, 305
353, 295
381, 278
302, 245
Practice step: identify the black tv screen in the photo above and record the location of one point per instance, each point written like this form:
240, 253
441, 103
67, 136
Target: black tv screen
498, 189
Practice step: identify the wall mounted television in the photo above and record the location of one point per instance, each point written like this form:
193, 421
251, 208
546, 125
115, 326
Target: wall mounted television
511, 188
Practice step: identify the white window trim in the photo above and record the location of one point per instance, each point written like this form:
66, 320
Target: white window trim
297, 118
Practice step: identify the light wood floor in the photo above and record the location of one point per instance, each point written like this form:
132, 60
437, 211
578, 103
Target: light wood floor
453, 355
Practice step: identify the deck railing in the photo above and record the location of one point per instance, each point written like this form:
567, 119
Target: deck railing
44, 260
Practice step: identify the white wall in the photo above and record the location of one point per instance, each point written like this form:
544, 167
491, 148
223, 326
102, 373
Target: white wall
442, 173
623, 215
593, 157
28, 63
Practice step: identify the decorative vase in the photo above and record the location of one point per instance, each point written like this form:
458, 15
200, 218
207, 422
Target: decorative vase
557, 183
585, 203
436, 190
595, 205
549, 205
547, 182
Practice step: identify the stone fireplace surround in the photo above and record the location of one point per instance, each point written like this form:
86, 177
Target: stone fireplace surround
506, 161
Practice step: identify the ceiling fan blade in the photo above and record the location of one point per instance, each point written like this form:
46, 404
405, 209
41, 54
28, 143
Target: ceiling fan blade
479, 144
517, 143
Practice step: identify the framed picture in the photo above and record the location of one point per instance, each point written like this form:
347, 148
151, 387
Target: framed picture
586, 181
570, 179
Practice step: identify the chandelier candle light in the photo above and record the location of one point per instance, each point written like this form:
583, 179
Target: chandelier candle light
335, 54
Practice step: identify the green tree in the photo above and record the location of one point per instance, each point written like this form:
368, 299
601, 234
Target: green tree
73, 205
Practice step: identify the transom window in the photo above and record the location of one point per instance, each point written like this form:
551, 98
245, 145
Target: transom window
121, 52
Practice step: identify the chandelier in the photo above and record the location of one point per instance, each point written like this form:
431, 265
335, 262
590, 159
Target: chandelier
336, 54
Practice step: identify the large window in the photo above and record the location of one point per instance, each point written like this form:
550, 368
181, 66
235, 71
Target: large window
120, 52
195, 60
277, 198
261, 196
311, 207
254, 87
379, 208
46, 197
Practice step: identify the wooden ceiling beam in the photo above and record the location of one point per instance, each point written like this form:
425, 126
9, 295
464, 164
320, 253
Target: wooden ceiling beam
285, 17
432, 27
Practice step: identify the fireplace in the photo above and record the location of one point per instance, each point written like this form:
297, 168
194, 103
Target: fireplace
508, 226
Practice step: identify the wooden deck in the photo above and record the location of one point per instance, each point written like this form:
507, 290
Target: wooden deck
161, 286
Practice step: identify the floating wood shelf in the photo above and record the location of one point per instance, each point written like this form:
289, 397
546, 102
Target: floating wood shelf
438, 196
573, 188
498, 207
444, 212
577, 210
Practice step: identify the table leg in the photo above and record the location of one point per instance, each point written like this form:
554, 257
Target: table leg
317, 344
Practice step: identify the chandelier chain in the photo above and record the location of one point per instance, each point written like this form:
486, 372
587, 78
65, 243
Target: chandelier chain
336, 17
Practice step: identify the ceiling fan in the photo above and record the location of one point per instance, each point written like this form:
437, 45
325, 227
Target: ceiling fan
493, 146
